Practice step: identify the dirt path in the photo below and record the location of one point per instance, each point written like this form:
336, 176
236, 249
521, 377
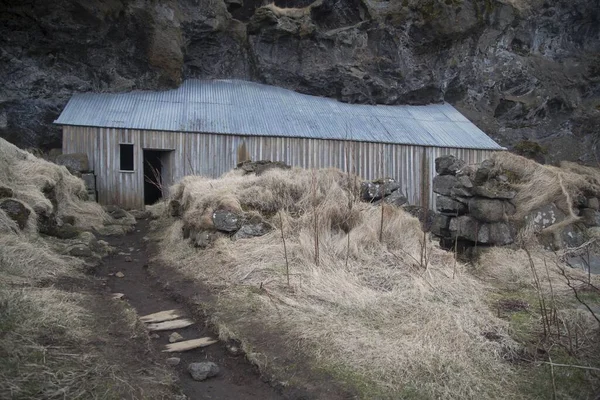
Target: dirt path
237, 378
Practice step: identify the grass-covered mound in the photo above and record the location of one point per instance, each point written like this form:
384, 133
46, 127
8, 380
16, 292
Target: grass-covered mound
57, 343
371, 300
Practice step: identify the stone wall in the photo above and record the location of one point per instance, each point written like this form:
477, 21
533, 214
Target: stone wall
473, 205
477, 205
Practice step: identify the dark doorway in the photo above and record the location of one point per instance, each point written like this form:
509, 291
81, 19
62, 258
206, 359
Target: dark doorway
156, 163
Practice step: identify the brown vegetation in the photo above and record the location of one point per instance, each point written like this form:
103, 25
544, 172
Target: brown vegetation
54, 343
366, 310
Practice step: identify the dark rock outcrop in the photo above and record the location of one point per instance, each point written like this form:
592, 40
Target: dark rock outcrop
518, 69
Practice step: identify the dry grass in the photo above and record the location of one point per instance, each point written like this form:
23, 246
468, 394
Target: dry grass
508, 269
405, 329
28, 176
47, 334
539, 185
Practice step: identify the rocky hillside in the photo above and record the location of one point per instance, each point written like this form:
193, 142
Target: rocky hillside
518, 68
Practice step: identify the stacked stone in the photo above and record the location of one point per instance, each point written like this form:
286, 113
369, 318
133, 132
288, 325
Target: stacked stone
472, 205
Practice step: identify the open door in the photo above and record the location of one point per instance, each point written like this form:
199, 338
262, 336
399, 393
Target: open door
157, 174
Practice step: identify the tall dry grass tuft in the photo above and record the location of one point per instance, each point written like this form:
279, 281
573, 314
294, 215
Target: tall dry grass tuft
539, 185
368, 306
29, 176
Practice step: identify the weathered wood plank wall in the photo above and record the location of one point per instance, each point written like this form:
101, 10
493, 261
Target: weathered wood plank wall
212, 155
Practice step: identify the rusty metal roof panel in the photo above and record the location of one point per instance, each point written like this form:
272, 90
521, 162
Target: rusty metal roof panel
246, 108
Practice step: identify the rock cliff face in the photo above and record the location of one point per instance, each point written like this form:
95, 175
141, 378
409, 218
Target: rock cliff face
520, 69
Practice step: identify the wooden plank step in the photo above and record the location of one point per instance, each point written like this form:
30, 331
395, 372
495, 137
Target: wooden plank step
189, 345
170, 325
162, 316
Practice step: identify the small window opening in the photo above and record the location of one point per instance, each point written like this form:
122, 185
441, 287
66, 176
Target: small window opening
126, 157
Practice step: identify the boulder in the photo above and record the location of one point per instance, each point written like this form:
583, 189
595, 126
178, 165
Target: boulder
573, 235
592, 202
252, 230
375, 190
448, 165
396, 199
450, 185
543, 217
490, 210
6, 192
590, 217
443, 184
16, 211
494, 190
77, 162
440, 225
203, 370
46, 223
226, 221
448, 205
500, 234
465, 181
468, 228
484, 172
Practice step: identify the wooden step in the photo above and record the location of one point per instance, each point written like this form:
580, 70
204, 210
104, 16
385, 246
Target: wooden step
170, 325
162, 316
189, 345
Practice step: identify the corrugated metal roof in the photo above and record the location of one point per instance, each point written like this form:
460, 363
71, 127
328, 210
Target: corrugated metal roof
248, 108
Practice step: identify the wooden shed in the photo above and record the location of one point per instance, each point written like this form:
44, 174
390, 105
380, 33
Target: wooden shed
205, 127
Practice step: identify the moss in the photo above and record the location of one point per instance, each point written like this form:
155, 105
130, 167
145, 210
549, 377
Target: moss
530, 149
571, 383
364, 387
